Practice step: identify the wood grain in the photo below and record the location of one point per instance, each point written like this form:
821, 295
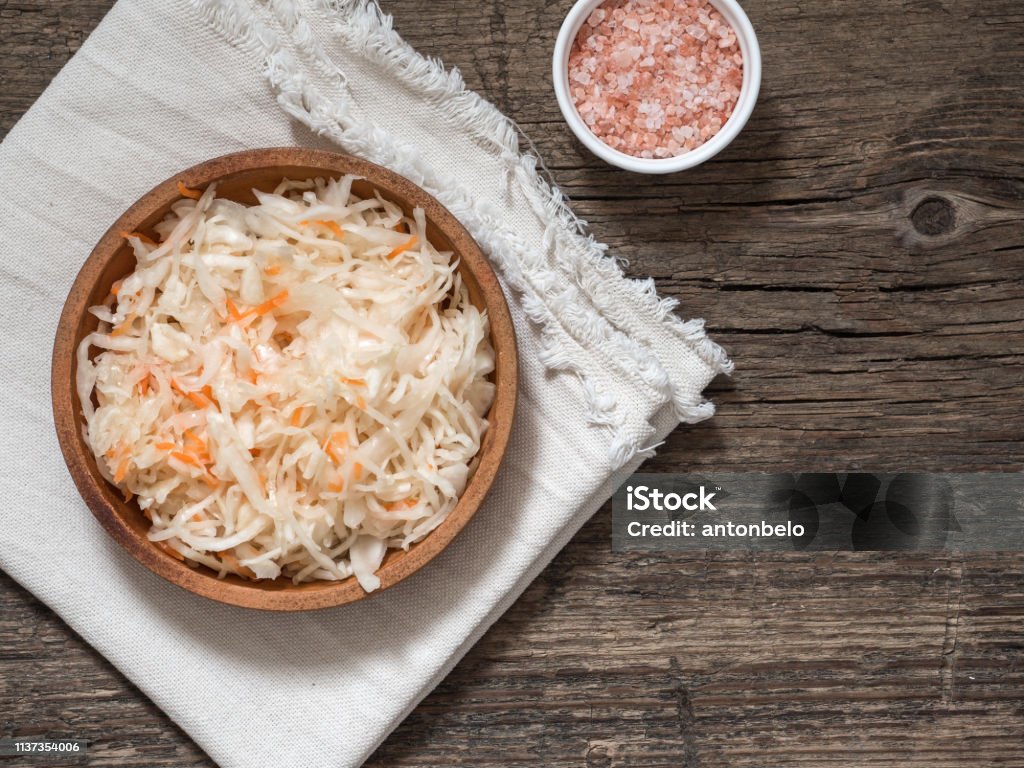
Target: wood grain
859, 250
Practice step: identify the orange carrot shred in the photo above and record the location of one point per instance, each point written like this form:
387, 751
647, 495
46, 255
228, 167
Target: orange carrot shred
298, 416
198, 400
357, 470
331, 225
273, 269
116, 287
233, 310
128, 496
123, 327
266, 307
231, 560
403, 247
122, 469
184, 191
361, 404
196, 444
186, 458
337, 440
165, 446
353, 382
271, 304
170, 550
337, 486
144, 238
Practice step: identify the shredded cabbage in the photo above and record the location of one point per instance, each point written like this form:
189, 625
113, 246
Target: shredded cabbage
288, 388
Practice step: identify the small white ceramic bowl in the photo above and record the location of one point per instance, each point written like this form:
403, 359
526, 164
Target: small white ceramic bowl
734, 14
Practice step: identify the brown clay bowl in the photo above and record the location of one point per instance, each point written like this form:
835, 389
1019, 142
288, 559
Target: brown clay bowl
112, 259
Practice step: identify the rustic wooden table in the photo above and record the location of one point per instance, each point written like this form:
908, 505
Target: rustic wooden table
860, 251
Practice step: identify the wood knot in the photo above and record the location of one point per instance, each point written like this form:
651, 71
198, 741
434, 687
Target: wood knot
934, 216
599, 756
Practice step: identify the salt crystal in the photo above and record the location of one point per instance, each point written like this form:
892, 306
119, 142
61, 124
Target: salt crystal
622, 59
655, 78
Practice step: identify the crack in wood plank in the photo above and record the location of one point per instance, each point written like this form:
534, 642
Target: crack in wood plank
951, 633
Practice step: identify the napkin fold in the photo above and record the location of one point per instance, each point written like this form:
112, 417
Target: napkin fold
607, 369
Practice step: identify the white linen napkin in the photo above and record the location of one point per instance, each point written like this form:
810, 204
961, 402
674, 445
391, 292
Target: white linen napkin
607, 369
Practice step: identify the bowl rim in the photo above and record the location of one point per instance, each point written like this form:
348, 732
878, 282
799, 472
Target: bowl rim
750, 48
104, 501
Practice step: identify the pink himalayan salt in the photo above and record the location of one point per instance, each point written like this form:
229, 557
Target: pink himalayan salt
655, 78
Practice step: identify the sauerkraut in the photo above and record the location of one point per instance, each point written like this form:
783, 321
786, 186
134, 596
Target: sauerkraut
290, 388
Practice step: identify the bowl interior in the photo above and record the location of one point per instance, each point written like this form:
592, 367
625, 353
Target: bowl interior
112, 259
